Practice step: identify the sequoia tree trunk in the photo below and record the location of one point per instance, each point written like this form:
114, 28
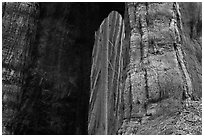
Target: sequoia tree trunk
159, 76
156, 81
146, 67
18, 36
155, 73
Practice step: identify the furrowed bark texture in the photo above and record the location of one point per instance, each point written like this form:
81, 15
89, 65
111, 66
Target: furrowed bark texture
18, 35
160, 77
106, 77
156, 70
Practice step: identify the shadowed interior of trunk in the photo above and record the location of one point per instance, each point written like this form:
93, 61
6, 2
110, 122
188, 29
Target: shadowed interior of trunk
58, 75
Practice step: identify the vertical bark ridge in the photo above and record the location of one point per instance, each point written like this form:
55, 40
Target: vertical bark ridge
19, 29
152, 73
179, 52
138, 58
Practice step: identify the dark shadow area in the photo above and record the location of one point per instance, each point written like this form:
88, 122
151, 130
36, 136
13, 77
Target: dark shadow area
55, 93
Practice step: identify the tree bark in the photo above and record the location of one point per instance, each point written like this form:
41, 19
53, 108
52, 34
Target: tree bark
159, 80
156, 70
18, 35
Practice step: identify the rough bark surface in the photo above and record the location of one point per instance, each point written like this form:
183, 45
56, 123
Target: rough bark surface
154, 72
18, 35
160, 81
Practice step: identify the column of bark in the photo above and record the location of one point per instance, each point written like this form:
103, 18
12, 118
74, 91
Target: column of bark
135, 88
18, 34
142, 11
151, 76
166, 74
179, 52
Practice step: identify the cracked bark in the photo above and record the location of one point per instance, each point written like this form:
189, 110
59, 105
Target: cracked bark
167, 75
156, 77
18, 36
